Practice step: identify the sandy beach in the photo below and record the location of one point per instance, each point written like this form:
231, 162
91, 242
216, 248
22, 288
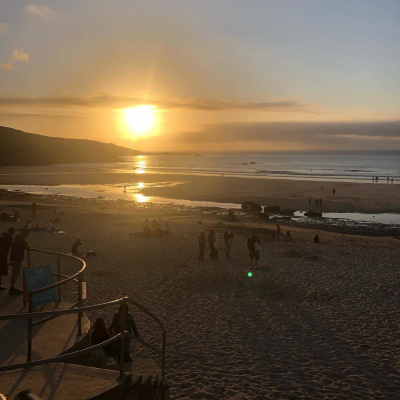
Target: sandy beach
315, 321
288, 194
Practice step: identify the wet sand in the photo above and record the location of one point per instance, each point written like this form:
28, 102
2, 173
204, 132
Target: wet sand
288, 194
315, 321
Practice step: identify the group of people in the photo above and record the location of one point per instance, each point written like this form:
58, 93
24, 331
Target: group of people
156, 228
101, 333
253, 243
15, 246
376, 179
317, 202
6, 216
213, 243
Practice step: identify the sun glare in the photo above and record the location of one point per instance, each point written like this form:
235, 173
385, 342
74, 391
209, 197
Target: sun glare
140, 119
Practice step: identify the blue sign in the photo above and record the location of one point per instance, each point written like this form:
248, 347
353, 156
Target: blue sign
37, 278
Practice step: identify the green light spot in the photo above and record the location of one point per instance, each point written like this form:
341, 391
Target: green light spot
249, 274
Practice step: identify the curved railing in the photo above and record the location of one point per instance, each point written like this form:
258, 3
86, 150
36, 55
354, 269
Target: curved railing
48, 315
28, 297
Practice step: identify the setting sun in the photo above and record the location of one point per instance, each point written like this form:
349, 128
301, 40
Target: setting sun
140, 119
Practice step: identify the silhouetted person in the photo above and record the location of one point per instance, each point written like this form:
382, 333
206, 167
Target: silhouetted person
316, 238
130, 327
202, 245
228, 238
18, 247
34, 209
5, 243
254, 246
212, 242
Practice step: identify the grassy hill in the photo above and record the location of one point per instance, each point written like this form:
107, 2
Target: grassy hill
22, 148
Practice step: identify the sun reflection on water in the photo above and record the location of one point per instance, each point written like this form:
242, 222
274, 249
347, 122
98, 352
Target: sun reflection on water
140, 198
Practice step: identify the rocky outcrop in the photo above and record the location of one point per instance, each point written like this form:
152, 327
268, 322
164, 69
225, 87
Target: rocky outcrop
251, 206
272, 209
313, 214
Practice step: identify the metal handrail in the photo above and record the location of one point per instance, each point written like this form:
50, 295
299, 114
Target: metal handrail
80, 310
122, 301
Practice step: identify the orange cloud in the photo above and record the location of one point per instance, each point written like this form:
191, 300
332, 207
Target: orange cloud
17, 55
7, 66
39, 11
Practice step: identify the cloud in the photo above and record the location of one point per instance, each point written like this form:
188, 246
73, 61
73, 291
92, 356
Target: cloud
4, 29
17, 55
7, 66
39, 11
297, 135
130, 101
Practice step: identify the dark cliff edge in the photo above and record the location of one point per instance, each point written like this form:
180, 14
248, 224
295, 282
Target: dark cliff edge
18, 148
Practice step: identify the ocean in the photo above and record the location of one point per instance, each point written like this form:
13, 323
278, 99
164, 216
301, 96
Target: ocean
352, 166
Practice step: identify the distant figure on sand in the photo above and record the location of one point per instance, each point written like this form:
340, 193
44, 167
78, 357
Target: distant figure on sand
334, 191
78, 249
34, 209
147, 228
278, 232
228, 238
316, 238
212, 242
130, 326
254, 246
5, 243
287, 236
18, 247
202, 245
16, 214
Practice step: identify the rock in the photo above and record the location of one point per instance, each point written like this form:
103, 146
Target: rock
313, 214
287, 212
250, 206
272, 209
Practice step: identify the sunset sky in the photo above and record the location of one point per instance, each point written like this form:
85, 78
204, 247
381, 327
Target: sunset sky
212, 75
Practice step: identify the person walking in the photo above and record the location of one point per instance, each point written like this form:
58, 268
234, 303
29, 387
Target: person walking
254, 246
34, 209
130, 327
278, 232
212, 242
18, 247
202, 245
228, 238
5, 243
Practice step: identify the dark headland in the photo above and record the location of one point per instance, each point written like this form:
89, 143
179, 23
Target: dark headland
18, 148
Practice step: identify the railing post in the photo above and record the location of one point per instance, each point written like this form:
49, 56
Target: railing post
30, 327
59, 277
122, 341
80, 279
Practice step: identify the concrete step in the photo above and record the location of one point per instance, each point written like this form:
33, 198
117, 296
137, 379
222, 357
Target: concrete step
59, 381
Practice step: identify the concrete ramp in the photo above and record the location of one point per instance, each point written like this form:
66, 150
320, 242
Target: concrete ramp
59, 381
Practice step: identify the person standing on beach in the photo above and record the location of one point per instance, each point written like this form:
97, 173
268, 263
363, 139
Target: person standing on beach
202, 245
278, 232
18, 247
130, 326
212, 242
34, 209
5, 243
334, 191
228, 238
254, 246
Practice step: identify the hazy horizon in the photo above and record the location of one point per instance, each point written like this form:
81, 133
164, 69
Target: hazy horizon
215, 76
